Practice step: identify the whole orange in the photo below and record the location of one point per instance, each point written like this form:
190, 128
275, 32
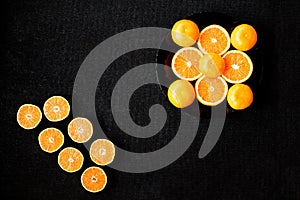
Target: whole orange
181, 93
185, 33
239, 96
243, 37
212, 65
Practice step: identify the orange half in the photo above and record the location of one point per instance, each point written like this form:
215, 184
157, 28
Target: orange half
29, 116
238, 66
80, 130
214, 39
51, 139
56, 108
211, 91
93, 179
70, 159
185, 63
102, 152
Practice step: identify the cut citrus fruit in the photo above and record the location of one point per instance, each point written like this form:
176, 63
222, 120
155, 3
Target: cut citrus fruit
70, 159
185, 33
93, 179
181, 93
80, 130
102, 152
212, 65
185, 63
211, 91
239, 96
56, 108
51, 139
214, 39
243, 37
238, 66
29, 116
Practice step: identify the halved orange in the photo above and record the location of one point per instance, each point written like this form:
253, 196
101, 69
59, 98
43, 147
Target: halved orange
211, 91
185, 63
93, 179
56, 108
70, 159
29, 116
238, 66
80, 130
51, 139
214, 39
102, 152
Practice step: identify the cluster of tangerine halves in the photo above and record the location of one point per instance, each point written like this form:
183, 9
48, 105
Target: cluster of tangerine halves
80, 130
211, 65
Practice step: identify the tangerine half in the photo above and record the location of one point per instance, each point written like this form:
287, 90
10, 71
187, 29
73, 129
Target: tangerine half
29, 116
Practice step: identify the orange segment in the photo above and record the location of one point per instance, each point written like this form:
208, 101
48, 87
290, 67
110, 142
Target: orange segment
102, 152
211, 91
240, 96
238, 66
29, 116
214, 39
185, 33
243, 37
51, 139
70, 159
56, 108
93, 179
185, 63
80, 130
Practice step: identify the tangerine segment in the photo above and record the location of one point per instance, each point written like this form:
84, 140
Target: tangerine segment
70, 159
93, 179
102, 152
238, 66
51, 139
185, 33
56, 108
185, 63
80, 130
29, 116
181, 93
239, 96
243, 37
211, 91
214, 39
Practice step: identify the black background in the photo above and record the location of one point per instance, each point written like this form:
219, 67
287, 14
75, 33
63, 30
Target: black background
44, 44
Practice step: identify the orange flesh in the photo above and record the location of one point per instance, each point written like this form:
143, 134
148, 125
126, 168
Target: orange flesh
70, 159
56, 108
29, 116
211, 89
237, 67
94, 179
80, 129
213, 40
102, 152
51, 139
187, 64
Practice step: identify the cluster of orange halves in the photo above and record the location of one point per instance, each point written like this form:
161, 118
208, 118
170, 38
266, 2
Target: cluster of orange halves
80, 130
205, 59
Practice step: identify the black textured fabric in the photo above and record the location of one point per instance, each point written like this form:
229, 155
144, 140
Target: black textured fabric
44, 44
